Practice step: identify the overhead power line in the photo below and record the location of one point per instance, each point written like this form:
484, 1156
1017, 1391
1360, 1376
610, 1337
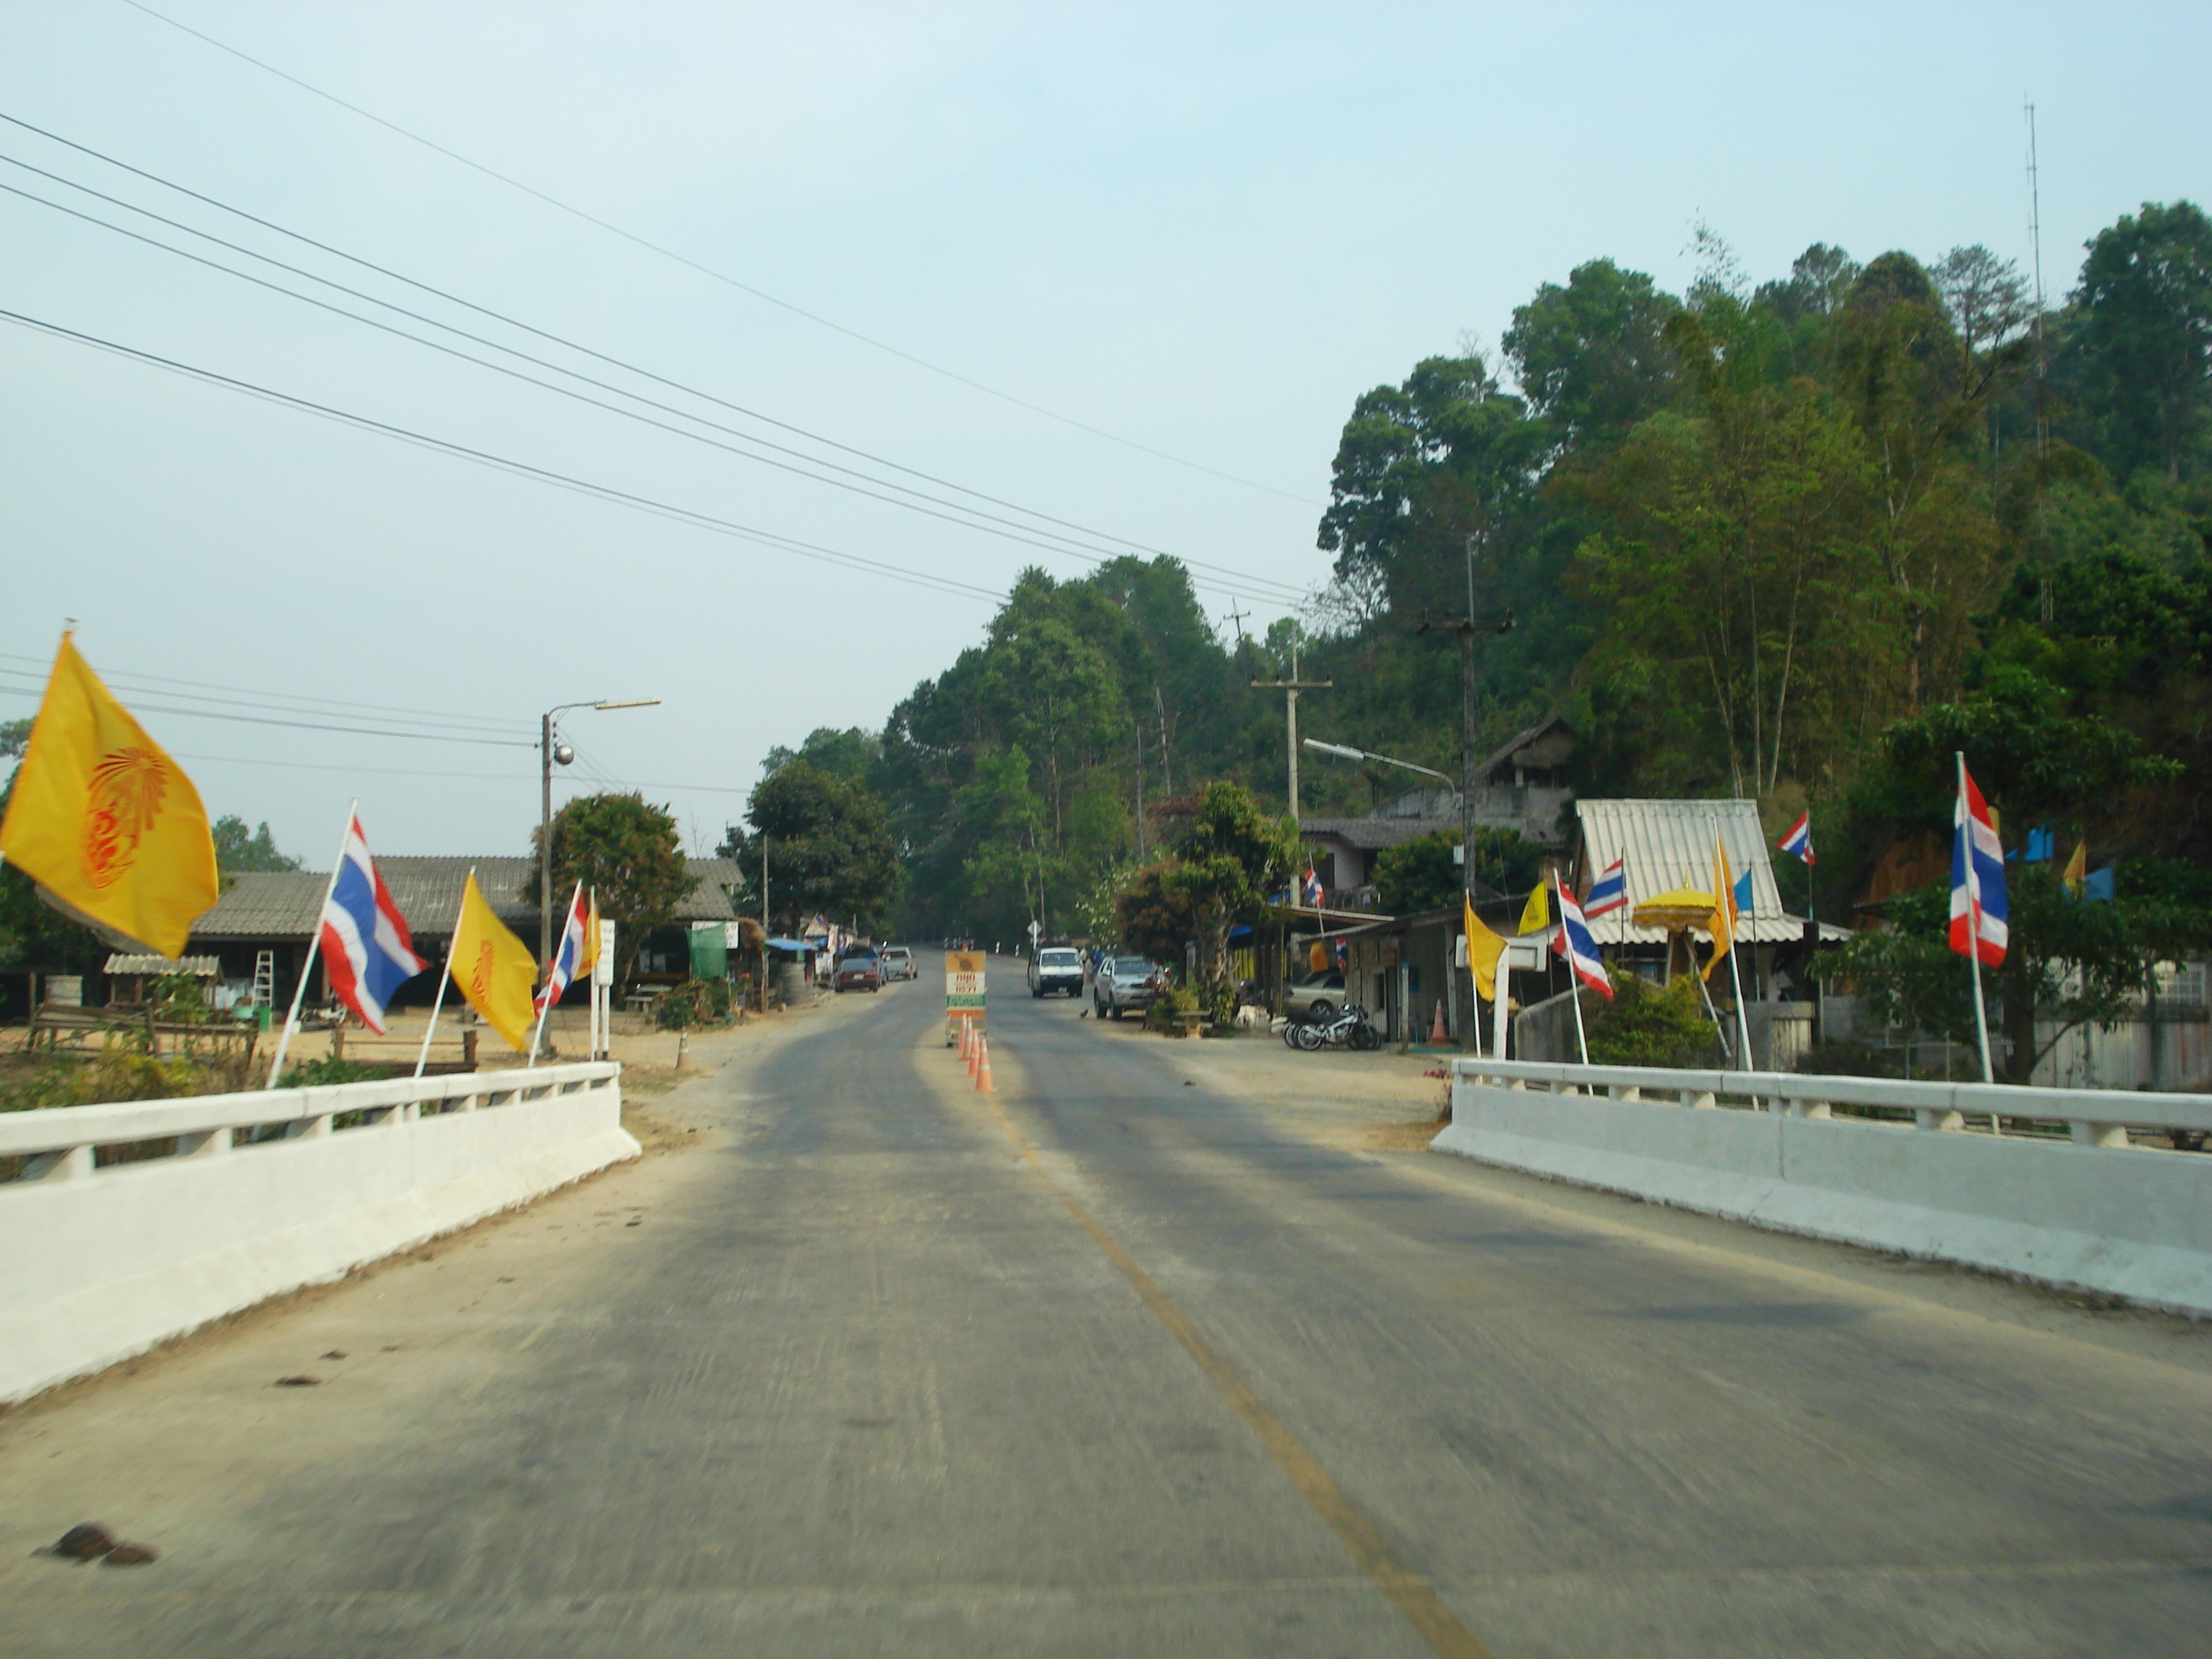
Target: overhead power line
281, 702
271, 720
521, 469
927, 505
1260, 587
761, 295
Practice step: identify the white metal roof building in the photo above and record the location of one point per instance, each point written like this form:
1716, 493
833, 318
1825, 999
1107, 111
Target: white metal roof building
1668, 845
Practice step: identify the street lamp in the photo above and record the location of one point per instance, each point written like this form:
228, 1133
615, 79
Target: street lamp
1345, 752
548, 752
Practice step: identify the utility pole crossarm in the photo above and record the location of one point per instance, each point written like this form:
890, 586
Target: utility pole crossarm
1290, 688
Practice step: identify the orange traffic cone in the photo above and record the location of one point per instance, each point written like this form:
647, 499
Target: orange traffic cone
963, 1041
1437, 1032
975, 1050
983, 1069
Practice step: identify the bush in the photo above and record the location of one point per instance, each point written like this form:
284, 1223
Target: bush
1649, 1024
1162, 1015
696, 1002
314, 1074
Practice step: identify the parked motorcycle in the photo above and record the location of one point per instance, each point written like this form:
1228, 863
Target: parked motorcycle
1348, 1027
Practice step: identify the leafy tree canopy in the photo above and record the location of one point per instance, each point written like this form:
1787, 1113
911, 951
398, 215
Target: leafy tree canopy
627, 849
239, 850
828, 852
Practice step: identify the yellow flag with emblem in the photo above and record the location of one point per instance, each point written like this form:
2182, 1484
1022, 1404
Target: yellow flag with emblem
591, 959
1484, 947
104, 821
495, 969
1536, 914
1721, 924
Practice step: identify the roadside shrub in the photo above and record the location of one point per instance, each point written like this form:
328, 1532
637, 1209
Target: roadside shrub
314, 1074
1649, 1025
696, 1002
1162, 1015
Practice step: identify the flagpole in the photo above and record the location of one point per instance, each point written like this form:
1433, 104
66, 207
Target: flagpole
1735, 976
444, 979
1574, 980
1962, 824
314, 946
546, 1007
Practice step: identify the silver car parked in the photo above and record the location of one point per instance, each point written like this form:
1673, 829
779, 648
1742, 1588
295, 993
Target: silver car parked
1126, 983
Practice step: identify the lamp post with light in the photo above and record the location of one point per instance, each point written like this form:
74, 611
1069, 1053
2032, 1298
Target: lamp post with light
549, 752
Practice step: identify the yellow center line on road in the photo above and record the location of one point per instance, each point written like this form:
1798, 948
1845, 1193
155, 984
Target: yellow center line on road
1405, 1589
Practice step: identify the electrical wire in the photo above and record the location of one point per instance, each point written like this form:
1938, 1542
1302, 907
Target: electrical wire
1285, 594
708, 271
160, 685
302, 725
961, 516
521, 469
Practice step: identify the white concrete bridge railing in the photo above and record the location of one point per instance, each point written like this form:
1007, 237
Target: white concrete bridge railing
2061, 1196
262, 1193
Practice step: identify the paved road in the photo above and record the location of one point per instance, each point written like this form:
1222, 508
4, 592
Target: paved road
1118, 1365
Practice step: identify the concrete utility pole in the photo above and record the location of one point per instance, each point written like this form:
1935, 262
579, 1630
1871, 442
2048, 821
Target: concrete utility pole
1290, 688
1467, 627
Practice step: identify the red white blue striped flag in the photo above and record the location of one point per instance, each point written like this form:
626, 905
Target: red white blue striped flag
366, 949
1575, 943
1978, 877
1798, 843
1608, 892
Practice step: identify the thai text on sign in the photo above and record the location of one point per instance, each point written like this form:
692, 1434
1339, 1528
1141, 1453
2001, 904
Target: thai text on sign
963, 984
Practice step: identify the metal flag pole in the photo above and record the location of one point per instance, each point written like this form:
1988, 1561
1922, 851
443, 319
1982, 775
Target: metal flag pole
314, 945
445, 978
1962, 825
1574, 980
546, 990
1735, 977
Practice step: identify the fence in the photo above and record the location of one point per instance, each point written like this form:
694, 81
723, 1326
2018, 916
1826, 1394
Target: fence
2069, 1193
248, 1196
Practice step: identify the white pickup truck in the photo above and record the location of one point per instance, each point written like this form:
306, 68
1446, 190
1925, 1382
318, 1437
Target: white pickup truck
1056, 968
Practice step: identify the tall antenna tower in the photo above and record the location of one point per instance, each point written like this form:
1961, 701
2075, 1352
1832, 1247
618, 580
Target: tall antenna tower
2035, 251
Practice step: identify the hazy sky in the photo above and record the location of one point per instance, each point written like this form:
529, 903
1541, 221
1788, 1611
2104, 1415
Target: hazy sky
1205, 229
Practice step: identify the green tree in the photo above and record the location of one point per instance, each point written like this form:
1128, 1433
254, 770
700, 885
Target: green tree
239, 850
1421, 875
852, 754
628, 851
829, 850
1226, 861
1591, 357
2144, 339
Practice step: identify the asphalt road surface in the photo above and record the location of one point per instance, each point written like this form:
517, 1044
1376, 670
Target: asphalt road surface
1107, 1364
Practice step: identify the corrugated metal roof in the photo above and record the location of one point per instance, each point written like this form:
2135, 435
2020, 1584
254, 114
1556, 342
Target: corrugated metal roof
1669, 844
284, 904
198, 966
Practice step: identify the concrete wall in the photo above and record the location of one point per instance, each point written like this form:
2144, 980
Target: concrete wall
2110, 1217
99, 1264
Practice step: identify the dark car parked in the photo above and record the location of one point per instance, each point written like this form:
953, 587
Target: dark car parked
859, 970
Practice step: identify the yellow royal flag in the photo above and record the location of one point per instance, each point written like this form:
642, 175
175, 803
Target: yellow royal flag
591, 939
1484, 948
104, 821
1722, 922
2077, 869
495, 969
1536, 914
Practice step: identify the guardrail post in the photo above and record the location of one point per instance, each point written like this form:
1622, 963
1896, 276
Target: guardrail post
2098, 1134
71, 1163
1810, 1108
1701, 1098
212, 1143
1942, 1118
1624, 1092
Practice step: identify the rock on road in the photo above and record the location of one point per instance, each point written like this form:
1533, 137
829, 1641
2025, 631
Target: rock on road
1110, 1364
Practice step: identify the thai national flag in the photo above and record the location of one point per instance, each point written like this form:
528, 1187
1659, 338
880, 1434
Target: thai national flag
568, 953
1312, 889
1798, 843
1978, 877
1574, 942
1608, 892
366, 949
